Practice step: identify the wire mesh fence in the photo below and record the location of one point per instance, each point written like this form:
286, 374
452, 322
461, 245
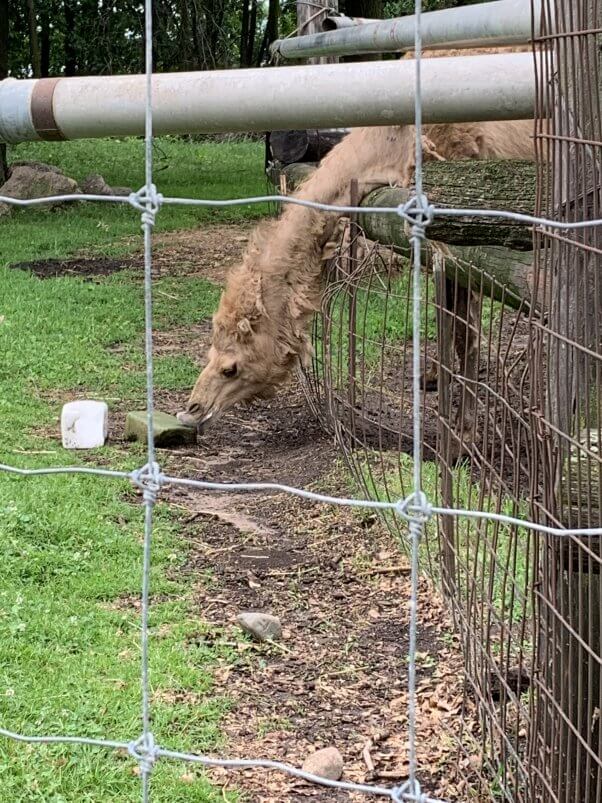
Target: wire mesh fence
512, 435
511, 416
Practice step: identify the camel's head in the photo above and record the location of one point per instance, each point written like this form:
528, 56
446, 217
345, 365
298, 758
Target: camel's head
256, 344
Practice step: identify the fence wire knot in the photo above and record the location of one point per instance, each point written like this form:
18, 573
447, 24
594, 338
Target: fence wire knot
418, 213
150, 480
408, 791
145, 752
415, 508
148, 202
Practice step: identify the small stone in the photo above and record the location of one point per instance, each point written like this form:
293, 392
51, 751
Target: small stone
168, 431
326, 763
261, 626
84, 424
41, 166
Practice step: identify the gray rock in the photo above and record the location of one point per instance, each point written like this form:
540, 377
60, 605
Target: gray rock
41, 166
95, 185
327, 763
30, 182
122, 190
261, 626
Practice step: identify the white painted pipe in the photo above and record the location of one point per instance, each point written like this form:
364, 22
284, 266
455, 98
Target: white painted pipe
467, 88
503, 22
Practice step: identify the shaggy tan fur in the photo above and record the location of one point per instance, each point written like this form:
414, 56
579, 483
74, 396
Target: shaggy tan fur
261, 327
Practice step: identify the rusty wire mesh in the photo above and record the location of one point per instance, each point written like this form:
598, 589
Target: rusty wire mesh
511, 404
565, 405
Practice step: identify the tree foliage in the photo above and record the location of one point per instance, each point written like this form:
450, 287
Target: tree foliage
83, 37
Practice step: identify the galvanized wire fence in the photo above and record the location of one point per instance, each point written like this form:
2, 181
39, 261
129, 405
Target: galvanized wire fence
411, 503
514, 429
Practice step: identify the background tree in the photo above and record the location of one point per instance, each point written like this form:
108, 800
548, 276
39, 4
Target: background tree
4, 32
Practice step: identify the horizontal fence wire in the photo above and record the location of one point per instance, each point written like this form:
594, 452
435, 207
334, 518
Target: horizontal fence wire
412, 507
407, 211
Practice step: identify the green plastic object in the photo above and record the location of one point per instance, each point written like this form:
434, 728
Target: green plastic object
168, 431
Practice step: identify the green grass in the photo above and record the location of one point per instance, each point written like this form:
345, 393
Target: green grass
70, 546
182, 169
496, 559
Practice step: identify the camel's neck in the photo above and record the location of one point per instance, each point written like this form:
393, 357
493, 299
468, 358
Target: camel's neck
288, 257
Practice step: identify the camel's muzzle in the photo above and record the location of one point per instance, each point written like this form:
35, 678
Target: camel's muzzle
190, 420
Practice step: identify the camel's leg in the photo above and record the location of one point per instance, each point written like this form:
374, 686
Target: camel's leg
464, 305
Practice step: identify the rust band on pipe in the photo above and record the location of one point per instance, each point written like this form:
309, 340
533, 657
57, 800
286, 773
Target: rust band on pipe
460, 89
42, 110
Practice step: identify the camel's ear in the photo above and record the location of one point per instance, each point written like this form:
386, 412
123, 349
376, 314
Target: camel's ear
244, 327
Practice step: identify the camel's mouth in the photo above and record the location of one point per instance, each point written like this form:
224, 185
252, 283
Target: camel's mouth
194, 421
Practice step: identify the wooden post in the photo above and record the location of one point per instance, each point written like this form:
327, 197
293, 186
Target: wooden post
309, 20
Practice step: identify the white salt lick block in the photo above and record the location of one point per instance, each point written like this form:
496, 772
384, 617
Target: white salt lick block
84, 424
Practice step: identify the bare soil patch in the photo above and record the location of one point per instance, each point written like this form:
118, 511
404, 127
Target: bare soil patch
80, 266
209, 252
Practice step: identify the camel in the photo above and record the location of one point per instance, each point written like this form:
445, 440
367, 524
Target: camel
261, 327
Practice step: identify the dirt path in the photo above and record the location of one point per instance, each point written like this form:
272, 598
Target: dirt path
337, 581
341, 588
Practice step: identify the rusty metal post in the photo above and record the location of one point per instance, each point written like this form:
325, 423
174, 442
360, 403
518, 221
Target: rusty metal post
445, 367
354, 230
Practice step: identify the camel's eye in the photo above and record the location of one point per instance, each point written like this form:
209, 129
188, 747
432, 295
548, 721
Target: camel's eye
230, 372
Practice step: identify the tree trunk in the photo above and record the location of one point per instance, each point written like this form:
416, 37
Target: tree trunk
34, 43
252, 32
368, 9
271, 29
244, 35
310, 22
44, 43
70, 48
4, 31
491, 184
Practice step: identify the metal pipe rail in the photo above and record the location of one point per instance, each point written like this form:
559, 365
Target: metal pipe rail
503, 22
467, 89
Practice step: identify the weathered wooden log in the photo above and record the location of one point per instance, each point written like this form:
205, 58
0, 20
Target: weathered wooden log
294, 174
501, 273
503, 185
311, 145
